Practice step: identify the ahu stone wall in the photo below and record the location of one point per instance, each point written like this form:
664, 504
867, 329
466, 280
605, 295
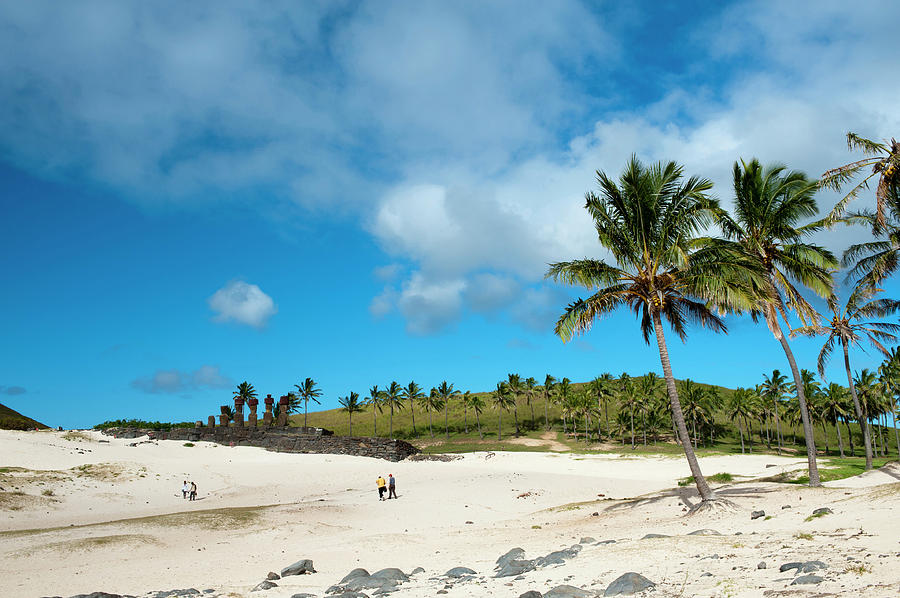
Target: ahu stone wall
280, 439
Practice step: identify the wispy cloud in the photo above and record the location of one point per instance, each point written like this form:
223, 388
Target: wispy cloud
243, 303
175, 381
12, 390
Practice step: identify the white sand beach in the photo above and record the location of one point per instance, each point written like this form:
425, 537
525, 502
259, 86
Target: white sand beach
96, 514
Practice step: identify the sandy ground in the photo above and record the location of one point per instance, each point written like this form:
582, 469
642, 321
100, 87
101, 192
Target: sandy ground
87, 514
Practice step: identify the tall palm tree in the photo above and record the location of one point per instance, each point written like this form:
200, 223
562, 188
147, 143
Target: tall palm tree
883, 160
770, 203
647, 386
775, 388
628, 398
376, 401
548, 389
739, 410
432, 402
866, 388
245, 391
873, 261
477, 405
446, 392
649, 223
502, 402
307, 392
530, 388
394, 400
412, 392
889, 371
563, 388
849, 325
602, 387
833, 398
466, 400
350, 404
514, 382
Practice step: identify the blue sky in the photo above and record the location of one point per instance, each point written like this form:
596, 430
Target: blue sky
196, 195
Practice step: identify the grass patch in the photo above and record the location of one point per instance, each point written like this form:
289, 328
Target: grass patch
839, 469
188, 444
803, 536
76, 436
47, 492
120, 541
815, 516
859, 569
720, 478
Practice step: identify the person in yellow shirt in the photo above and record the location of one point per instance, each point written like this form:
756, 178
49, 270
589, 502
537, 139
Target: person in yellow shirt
381, 487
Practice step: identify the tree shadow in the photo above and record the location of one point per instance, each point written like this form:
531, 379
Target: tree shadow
689, 497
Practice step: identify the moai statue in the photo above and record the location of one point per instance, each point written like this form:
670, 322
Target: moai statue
223, 417
198, 424
239, 412
267, 416
282, 412
251, 420
211, 421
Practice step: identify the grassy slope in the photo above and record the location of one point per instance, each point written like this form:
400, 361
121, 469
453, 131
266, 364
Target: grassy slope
11, 419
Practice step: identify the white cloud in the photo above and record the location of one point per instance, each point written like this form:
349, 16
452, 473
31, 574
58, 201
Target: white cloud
176, 381
243, 303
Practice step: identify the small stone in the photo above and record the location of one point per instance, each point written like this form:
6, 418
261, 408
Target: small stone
628, 584
567, 591
586, 540
457, 572
807, 579
301, 567
649, 536
707, 574
264, 585
417, 570
783, 507
531, 594
272, 576
705, 532
757, 514
822, 511
761, 565
595, 514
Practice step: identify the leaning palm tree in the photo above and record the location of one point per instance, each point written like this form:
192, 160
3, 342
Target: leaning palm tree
883, 160
350, 404
412, 392
849, 325
446, 392
393, 400
770, 204
477, 405
548, 389
502, 401
376, 401
649, 223
308, 392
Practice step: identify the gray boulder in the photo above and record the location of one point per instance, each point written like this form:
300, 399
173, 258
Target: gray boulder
807, 579
169, 594
531, 594
513, 555
649, 536
369, 583
358, 572
803, 567
558, 557
302, 567
605, 542
757, 514
705, 532
417, 570
457, 572
587, 540
272, 576
513, 568
566, 591
264, 585
303, 595
628, 584
761, 565
391, 573
822, 511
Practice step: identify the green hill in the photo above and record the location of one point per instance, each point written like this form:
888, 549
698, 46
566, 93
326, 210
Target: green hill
10, 419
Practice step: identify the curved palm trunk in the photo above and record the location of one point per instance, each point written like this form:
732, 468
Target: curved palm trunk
430, 429
391, 432
741, 430
305, 413
478, 422
412, 411
466, 417
896, 433
446, 428
706, 494
516, 414
500, 426
861, 417
374, 422
606, 414
350, 418
801, 397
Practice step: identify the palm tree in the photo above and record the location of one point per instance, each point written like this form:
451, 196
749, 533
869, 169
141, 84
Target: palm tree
884, 161
865, 387
833, 399
245, 391
769, 205
873, 261
649, 222
628, 398
739, 409
412, 393
502, 402
602, 387
432, 402
466, 400
376, 402
308, 392
889, 371
647, 386
849, 325
563, 388
393, 400
530, 389
514, 381
549, 385
350, 405
477, 405
446, 392
774, 388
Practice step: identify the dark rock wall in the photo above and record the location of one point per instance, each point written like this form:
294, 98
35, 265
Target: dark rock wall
285, 440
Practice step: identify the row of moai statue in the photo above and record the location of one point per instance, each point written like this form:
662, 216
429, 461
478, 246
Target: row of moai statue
269, 419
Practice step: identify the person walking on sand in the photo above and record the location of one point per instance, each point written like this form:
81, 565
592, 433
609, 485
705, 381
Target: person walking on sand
185, 488
381, 488
392, 486
193, 491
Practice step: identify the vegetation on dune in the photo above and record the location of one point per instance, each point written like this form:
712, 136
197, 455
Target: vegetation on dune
140, 423
10, 419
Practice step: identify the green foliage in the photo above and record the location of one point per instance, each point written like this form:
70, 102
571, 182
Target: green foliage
839, 469
10, 419
718, 477
143, 424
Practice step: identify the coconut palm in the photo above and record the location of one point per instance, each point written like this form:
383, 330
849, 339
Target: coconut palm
432, 402
866, 388
514, 383
775, 388
770, 203
476, 403
873, 261
889, 371
446, 392
412, 392
466, 400
740, 407
350, 404
849, 325
307, 392
647, 386
563, 389
376, 401
628, 398
530, 388
393, 400
245, 391
602, 386
548, 389
833, 399
649, 223
502, 402
883, 160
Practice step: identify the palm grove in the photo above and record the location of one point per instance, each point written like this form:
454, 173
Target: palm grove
666, 266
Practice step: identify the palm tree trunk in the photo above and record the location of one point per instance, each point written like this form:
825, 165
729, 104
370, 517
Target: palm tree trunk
478, 421
896, 433
741, 430
516, 414
825, 434
644, 426
412, 411
446, 410
632, 425
840, 440
305, 412
350, 418
860, 415
531, 405
430, 428
850, 436
374, 422
391, 433
466, 418
749, 434
606, 412
706, 494
500, 426
814, 480
547, 410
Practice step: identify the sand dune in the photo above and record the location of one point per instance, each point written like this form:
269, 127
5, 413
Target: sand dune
83, 515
